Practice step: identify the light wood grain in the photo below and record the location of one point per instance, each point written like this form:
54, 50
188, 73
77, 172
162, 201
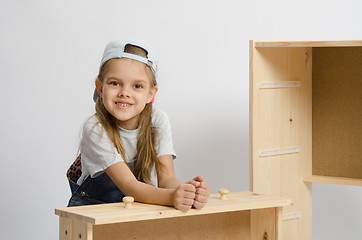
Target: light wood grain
82, 230
333, 180
71, 229
335, 114
65, 228
264, 224
279, 223
242, 215
282, 118
341, 43
115, 212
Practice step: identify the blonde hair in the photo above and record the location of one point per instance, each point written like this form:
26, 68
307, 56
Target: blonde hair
146, 154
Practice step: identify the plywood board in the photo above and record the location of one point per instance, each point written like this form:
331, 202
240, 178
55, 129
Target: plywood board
234, 225
337, 112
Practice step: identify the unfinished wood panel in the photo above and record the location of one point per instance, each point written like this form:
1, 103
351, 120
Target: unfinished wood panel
82, 230
219, 219
340, 43
232, 225
290, 229
115, 212
281, 118
71, 229
334, 180
263, 224
279, 223
279, 170
65, 229
337, 112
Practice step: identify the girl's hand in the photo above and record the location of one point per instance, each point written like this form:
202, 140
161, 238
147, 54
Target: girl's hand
183, 197
202, 192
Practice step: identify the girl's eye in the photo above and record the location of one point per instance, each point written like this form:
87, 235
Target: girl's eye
137, 86
113, 83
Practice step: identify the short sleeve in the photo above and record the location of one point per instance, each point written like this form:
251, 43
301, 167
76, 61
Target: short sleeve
164, 144
97, 151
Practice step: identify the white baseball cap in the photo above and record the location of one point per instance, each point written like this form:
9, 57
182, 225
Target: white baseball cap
116, 49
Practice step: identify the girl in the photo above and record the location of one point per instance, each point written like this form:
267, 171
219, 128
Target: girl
126, 139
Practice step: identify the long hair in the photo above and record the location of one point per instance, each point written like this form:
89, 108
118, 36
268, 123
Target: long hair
146, 154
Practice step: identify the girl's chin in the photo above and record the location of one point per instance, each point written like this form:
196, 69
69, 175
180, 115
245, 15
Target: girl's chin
127, 123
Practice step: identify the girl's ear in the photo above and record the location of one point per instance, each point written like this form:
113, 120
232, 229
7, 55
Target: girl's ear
99, 87
153, 92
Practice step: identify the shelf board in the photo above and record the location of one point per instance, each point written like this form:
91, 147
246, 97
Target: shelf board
333, 180
339, 43
115, 212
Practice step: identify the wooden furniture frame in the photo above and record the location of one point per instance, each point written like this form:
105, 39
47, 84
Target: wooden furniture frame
305, 122
242, 215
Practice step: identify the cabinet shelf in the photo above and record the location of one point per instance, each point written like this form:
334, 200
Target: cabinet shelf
341, 43
333, 180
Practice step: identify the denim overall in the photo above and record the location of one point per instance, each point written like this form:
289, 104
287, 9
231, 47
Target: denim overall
98, 190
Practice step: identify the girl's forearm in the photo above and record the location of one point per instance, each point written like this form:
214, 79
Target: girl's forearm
146, 193
141, 192
170, 183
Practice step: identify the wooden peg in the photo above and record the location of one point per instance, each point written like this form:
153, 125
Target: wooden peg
128, 202
223, 193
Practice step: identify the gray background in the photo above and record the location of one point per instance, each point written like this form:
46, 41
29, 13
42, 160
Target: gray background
50, 51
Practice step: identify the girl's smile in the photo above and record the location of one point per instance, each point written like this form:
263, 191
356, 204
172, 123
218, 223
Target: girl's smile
123, 105
125, 90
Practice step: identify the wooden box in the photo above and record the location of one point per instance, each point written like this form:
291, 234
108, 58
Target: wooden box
305, 122
241, 216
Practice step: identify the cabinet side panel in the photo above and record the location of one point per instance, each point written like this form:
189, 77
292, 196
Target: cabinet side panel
281, 121
251, 79
65, 228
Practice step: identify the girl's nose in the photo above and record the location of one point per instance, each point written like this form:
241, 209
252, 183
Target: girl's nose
124, 92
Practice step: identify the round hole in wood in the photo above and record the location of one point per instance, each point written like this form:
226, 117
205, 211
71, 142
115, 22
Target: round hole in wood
66, 232
80, 235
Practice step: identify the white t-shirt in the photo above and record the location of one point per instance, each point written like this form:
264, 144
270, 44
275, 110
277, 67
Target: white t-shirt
98, 152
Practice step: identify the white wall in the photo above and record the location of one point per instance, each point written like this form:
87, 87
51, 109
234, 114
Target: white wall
49, 55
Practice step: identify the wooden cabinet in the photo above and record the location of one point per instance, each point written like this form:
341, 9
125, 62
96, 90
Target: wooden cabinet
305, 122
243, 215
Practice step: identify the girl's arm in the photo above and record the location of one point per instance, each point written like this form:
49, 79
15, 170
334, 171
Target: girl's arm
181, 198
166, 178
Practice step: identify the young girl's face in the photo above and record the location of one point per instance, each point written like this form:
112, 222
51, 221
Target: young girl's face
125, 90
